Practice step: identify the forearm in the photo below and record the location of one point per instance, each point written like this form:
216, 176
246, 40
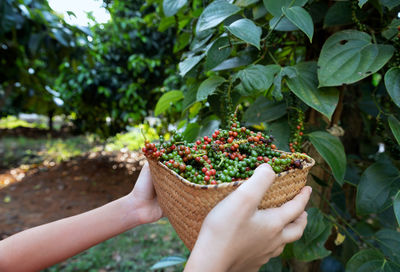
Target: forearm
42, 246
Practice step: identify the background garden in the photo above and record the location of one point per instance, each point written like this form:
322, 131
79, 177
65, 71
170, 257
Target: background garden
322, 77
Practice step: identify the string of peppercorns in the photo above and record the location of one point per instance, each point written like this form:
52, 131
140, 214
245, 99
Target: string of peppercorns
228, 155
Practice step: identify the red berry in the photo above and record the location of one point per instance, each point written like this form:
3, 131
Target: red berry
208, 173
301, 133
230, 133
207, 178
144, 149
213, 182
217, 132
230, 140
260, 158
243, 129
148, 146
234, 125
266, 159
205, 138
213, 172
198, 142
273, 146
204, 146
299, 127
214, 135
235, 134
204, 169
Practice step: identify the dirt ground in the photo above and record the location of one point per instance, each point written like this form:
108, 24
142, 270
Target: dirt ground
43, 193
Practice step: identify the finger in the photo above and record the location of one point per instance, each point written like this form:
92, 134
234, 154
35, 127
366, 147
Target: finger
295, 207
252, 191
293, 231
144, 186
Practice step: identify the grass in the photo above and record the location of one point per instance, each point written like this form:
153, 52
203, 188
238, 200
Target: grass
134, 250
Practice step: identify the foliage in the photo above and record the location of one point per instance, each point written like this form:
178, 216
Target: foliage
33, 43
135, 250
330, 66
117, 79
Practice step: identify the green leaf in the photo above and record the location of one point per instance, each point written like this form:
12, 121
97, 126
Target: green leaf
166, 100
389, 242
340, 13
209, 125
390, 4
391, 31
301, 18
214, 14
191, 132
208, 87
264, 110
311, 245
258, 78
283, 25
305, 86
171, 7
361, 3
281, 131
396, 206
392, 83
349, 56
332, 150
247, 31
369, 260
218, 52
375, 187
275, 7
234, 63
394, 125
167, 262
188, 64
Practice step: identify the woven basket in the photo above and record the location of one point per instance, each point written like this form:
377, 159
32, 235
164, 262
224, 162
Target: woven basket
186, 204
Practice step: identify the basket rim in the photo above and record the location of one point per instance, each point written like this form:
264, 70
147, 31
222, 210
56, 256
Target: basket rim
186, 182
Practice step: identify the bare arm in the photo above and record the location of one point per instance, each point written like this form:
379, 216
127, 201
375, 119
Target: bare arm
45, 245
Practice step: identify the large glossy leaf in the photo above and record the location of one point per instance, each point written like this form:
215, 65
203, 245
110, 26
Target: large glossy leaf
214, 14
389, 242
283, 25
311, 245
171, 7
391, 31
390, 4
234, 63
349, 56
332, 150
218, 52
264, 110
340, 13
369, 260
208, 87
166, 100
394, 125
247, 31
275, 7
301, 18
305, 86
258, 78
396, 206
189, 63
245, 3
191, 132
376, 186
281, 131
167, 262
392, 83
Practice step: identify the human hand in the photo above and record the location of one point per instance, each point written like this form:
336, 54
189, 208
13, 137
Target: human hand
236, 236
143, 199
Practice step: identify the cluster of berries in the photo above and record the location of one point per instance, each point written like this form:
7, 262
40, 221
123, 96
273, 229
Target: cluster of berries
226, 156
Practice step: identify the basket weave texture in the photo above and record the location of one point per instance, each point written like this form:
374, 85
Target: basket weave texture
186, 204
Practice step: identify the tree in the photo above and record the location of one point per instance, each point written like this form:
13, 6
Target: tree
322, 77
120, 75
33, 43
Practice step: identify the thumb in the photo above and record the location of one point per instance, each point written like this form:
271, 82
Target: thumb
257, 184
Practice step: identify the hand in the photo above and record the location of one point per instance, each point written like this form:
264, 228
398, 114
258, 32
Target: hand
236, 236
144, 199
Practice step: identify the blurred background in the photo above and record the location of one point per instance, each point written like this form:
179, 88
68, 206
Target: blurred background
78, 80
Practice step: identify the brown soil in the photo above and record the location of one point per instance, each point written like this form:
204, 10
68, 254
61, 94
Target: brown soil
46, 193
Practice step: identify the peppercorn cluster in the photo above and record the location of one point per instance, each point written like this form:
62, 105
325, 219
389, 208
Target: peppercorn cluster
226, 156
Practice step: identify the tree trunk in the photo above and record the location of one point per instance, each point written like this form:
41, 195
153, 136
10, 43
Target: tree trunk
50, 115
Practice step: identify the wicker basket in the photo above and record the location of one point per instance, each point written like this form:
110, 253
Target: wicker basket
186, 204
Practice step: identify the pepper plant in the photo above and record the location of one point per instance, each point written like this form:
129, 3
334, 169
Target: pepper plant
323, 77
